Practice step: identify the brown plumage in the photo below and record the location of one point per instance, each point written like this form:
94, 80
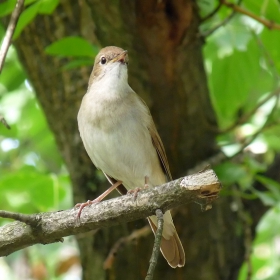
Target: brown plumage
121, 139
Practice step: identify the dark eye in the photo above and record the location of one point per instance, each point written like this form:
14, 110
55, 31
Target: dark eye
103, 60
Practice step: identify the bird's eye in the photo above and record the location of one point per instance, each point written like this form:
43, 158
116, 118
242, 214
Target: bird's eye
103, 60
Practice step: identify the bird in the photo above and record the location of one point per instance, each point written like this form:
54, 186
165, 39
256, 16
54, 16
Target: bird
121, 139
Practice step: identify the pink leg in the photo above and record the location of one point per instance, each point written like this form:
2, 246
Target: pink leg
98, 199
146, 182
137, 190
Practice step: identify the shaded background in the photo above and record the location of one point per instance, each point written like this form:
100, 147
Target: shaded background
211, 87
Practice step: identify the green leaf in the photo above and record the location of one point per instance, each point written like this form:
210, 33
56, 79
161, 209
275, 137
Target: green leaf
272, 196
271, 39
48, 6
77, 63
72, 46
8, 6
28, 186
236, 81
266, 197
254, 165
253, 5
26, 17
12, 76
229, 173
271, 185
270, 9
272, 137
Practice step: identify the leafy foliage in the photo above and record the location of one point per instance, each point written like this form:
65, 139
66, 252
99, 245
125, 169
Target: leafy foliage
29, 157
242, 63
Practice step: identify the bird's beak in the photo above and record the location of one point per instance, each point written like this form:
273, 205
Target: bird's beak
122, 57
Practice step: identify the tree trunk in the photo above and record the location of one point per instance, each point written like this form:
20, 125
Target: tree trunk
166, 69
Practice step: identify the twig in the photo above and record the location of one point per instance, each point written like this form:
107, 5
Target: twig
268, 59
223, 22
260, 130
212, 13
246, 117
221, 157
156, 248
136, 234
27, 219
211, 161
10, 31
269, 24
243, 215
3, 121
201, 188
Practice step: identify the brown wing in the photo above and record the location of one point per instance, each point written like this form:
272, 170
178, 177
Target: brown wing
158, 145
160, 150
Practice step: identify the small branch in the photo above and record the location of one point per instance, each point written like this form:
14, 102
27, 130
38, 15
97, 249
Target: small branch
156, 248
10, 31
202, 188
246, 219
248, 140
211, 161
222, 23
242, 120
268, 58
136, 234
3, 121
27, 219
212, 13
246, 117
269, 24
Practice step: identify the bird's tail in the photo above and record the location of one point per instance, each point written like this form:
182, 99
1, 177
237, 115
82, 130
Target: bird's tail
171, 246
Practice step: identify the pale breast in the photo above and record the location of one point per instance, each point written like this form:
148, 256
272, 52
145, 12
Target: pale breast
118, 141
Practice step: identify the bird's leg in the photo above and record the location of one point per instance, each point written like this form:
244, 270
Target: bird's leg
137, 190
146, 182
98, 199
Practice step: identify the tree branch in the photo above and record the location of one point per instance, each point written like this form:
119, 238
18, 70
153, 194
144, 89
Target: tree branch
223, 22
156, 248
201, 188
268, 23
3, 121
212, 13
10, 31
136, 234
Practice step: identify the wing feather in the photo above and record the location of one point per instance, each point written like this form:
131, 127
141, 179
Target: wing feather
158, 144
160, 150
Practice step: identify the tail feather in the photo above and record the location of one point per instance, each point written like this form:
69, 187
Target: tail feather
171, 246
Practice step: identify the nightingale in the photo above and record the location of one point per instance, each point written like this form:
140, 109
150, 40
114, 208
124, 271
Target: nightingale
120, 137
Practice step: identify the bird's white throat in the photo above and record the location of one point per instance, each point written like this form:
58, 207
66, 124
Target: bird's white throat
112, 81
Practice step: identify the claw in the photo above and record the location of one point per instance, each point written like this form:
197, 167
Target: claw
98, 199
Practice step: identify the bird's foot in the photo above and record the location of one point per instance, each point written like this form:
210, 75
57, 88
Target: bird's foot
134, 192
81, 206
137, 190
98, 199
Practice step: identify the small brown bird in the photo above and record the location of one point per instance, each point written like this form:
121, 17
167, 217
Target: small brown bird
121, 139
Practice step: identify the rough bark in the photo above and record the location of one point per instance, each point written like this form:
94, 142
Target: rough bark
166, 69
202, 188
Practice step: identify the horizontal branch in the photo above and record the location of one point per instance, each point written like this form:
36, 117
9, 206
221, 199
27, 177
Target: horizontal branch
202, 188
